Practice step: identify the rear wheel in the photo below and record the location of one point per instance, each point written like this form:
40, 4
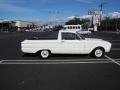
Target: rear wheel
98, 52
45, 54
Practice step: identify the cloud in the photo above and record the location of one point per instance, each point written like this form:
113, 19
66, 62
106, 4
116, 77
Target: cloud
12, 6
111, 15
85, 17
85, 1
71, 17
81, 17
114, 15
63, 20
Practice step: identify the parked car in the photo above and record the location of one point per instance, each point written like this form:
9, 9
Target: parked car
68, 42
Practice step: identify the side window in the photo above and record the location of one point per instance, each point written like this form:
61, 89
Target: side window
69, 36
76, 27
70, 27
65, 28
73, 27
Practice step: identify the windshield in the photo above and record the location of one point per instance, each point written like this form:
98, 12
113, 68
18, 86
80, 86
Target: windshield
81, 36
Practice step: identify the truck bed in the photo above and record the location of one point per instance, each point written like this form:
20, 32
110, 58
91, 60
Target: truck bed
43, 38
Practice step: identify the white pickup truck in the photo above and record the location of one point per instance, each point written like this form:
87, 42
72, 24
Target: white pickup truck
68, 42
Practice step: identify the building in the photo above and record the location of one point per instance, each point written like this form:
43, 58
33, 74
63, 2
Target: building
25, 25
46, 27
18, 25
6, 26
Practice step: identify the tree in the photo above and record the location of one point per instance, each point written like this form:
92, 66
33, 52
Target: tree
57, 27
74, 21
85, 23
110, 24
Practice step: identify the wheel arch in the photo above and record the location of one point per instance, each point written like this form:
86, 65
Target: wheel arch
97, 48
42, 50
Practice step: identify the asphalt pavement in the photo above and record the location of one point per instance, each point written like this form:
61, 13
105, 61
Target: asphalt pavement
59, 72
11, 50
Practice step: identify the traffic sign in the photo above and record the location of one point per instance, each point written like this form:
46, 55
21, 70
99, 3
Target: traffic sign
94, 12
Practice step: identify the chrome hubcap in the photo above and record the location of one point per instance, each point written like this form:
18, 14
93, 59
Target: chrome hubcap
44, 54
98, 53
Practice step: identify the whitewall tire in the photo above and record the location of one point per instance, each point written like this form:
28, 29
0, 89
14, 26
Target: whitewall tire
45, 54
98, 52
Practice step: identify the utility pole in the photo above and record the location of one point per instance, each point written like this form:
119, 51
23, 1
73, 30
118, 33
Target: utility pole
101, 5
101, 9
117, 23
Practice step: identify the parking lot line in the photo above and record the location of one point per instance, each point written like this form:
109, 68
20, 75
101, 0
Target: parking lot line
53, 60
113, 60
93, 62
116, 43
115, 49
88, 61
56, 60
0, 62
115, 40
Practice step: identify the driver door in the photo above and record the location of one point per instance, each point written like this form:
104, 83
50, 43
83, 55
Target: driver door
71, 44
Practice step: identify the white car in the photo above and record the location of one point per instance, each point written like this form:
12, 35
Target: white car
68, 42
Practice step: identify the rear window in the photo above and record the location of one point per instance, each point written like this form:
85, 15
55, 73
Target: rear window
69, 36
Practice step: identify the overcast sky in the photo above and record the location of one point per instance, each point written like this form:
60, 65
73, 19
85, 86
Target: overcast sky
48, 9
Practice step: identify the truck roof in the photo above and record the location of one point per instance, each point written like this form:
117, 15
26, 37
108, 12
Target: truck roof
71, 25
72, 31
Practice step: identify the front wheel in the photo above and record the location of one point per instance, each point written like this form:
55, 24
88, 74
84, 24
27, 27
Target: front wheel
98, 52
45, 54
